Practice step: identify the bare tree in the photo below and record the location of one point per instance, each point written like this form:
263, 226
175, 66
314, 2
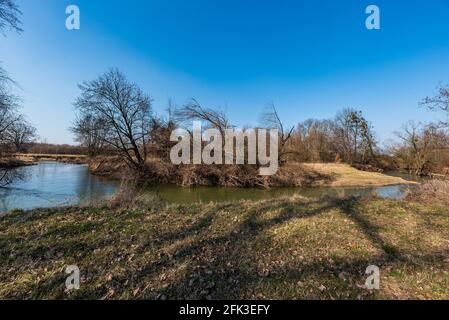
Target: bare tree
213, 118
314, 141
9, 16
439, 102
4, 78
160, 133
15, 130
9, 115
11, 122
270, 119
89, 131
21, 134
124, 112
415, 153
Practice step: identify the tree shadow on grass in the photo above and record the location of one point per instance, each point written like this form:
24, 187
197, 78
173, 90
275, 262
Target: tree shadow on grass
207, 274
228, 264
214, 273
349, 207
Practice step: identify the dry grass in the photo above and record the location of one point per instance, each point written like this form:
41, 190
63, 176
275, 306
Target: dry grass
112, 167
48, 156
288, 248
343, 175
66, 158
10, 163
431, 192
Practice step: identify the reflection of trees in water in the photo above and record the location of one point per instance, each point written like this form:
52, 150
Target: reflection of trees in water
83, 186
6, 201
10, 175
89, 187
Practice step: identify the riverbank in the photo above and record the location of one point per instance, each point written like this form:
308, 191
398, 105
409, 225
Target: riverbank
64, 158
286, 248
289, 175
12, 163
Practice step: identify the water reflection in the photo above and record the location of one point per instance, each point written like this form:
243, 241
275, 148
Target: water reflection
174, 194
50, 184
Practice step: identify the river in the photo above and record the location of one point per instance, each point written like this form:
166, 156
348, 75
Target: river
51, 184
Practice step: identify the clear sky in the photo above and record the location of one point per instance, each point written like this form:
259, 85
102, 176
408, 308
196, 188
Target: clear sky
311, 58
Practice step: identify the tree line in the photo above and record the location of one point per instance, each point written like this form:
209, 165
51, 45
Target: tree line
114, 115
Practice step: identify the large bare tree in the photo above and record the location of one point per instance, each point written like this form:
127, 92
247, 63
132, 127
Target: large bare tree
124, 112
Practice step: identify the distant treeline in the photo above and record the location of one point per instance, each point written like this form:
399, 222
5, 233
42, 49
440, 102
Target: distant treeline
47, 148
419, 148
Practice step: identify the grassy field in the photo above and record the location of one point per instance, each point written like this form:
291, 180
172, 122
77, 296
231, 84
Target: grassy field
289, 248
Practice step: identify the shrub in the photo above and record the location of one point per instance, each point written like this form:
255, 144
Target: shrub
430, 192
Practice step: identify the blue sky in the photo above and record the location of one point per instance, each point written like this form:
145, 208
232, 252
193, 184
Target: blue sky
311, 58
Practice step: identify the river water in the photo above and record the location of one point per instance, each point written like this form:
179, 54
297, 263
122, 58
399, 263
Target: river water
51, 184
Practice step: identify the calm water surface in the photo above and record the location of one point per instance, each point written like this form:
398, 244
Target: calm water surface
174, 194
51, 184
